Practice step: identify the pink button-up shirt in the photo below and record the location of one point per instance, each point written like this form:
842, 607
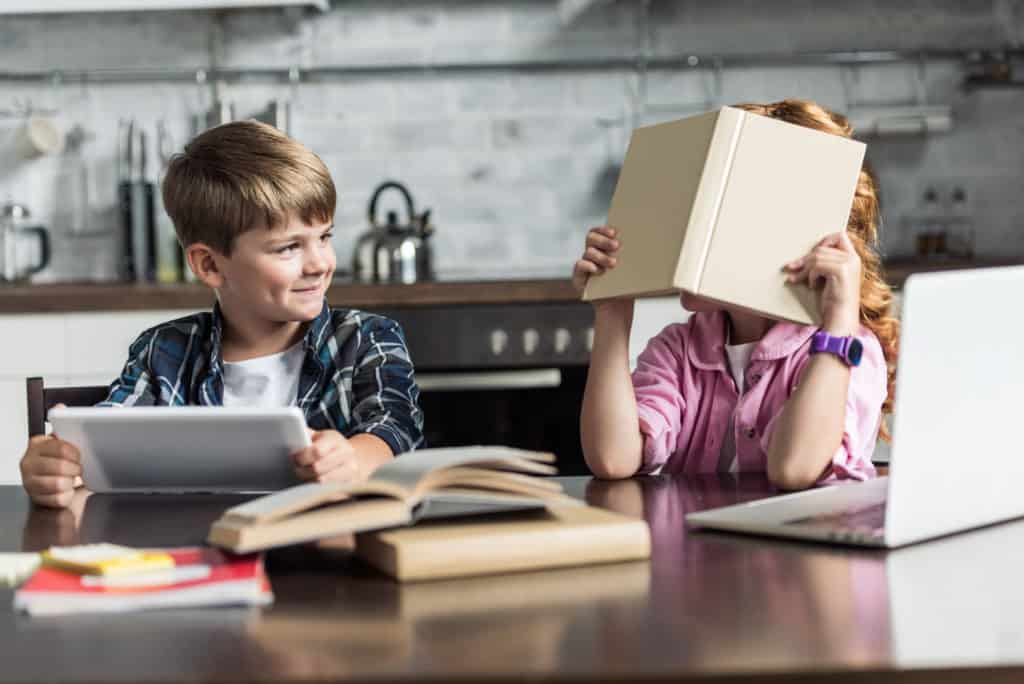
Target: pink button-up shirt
687, 398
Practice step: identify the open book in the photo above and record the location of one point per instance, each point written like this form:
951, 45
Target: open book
715, 204
428, 483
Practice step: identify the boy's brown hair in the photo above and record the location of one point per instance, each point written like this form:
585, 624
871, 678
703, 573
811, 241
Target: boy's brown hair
243, 175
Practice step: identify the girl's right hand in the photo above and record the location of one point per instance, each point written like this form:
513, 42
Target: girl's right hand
598, 256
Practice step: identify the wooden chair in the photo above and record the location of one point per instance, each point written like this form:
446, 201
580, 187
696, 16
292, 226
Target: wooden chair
42, 399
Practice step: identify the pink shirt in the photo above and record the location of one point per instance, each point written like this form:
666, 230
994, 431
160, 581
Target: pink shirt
687, 399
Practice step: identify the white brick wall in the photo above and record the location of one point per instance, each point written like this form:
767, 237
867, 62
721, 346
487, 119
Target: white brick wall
511, 164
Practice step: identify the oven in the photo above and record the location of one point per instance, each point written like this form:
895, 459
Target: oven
510, 374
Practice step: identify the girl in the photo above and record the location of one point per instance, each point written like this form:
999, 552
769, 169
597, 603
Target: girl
732, 391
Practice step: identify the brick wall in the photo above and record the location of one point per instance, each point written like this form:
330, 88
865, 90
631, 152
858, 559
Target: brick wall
514, 165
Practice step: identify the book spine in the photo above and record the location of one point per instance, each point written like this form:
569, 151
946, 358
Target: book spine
708, 202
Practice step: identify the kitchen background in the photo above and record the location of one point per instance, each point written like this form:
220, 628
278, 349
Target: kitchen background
515, 162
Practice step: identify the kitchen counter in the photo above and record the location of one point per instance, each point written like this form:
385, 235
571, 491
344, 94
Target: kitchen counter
898, 270
72, 297
537, 289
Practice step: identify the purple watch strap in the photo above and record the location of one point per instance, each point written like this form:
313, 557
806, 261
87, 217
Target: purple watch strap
823, 342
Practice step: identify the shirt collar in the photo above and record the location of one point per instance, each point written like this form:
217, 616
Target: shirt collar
710, 331
311, 340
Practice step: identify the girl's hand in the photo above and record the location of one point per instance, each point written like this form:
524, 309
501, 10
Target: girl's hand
330, 458
834, 268
598, 256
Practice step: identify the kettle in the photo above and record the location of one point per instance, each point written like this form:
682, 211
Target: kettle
13, 218
394, 252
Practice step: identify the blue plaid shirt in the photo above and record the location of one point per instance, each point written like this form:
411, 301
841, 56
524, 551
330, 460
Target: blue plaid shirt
356, 377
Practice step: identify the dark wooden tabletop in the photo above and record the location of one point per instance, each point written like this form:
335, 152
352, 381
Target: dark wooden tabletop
707, 607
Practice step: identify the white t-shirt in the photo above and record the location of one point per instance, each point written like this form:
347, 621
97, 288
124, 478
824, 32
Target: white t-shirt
739, 358
267, 381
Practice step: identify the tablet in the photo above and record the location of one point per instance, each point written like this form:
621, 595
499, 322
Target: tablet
175, 449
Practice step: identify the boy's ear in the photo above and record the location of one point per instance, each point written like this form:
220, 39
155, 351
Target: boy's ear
202, 259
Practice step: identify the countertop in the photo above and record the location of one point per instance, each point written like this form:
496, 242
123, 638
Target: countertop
467, 288
73, 297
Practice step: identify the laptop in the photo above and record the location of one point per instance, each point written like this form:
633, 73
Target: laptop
956, 460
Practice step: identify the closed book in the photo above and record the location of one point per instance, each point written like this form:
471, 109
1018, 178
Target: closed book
716, 204
427, 483
558, 536
200, 577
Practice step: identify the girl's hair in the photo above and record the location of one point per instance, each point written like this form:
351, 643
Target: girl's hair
862, 228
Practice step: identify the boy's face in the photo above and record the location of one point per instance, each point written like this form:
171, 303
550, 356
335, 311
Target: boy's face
278, 275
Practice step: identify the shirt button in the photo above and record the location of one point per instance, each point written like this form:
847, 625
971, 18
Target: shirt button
750, 433
754, 378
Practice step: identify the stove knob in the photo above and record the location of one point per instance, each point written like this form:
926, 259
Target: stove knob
590, 339
562, 340
499, 341
531, 339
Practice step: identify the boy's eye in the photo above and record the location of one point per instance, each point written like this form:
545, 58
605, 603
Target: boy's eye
288, 248
326, 237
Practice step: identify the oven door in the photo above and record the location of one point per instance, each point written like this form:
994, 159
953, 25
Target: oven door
529, 408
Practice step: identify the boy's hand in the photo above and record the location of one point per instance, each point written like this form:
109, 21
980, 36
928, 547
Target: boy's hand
834, 267
330, 458
598, 256
50, 470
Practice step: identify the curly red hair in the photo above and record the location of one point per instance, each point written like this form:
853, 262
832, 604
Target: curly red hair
862, 228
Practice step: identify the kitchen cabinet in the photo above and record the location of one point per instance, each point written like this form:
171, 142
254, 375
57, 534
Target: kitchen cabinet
54, 6
65, 349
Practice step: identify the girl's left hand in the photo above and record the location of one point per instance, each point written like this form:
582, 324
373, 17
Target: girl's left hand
834, 268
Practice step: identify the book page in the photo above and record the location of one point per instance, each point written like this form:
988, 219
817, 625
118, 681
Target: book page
788, 187
408, 470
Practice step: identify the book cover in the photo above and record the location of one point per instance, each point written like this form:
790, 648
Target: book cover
715, 205
559, 536
200, 577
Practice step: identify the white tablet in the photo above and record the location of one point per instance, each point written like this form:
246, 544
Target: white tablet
184, 448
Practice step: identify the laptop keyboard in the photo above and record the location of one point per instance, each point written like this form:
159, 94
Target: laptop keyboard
857, 523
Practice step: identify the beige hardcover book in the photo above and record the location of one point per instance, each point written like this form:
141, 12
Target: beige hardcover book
715, 204
424, 484
558, 536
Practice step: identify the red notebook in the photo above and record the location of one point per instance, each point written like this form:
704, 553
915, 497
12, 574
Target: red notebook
201, 577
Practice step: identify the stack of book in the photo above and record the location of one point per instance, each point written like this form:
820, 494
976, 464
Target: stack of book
107, 578
443, 513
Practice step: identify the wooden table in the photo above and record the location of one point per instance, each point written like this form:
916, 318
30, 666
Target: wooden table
708, 607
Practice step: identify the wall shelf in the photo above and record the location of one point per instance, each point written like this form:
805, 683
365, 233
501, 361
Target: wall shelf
296, 74
63, 6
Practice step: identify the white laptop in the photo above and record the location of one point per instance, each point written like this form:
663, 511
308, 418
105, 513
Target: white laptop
956, 460
183, 448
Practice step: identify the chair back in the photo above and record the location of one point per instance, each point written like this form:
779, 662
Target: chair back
41, 399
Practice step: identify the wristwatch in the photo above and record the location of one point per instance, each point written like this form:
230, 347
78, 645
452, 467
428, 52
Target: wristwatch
849, 349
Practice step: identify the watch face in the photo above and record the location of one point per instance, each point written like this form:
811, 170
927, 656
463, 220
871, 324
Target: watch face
854, 352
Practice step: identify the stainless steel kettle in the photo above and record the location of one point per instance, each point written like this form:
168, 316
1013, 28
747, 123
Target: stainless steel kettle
394, 252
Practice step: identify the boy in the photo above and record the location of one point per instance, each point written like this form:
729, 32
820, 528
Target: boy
254, 210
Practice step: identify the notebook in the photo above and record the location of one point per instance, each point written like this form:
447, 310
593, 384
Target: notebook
953, 465
201, 577
715, 204
442, 482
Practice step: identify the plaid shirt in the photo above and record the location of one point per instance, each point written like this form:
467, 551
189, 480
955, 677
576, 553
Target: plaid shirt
357, 376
